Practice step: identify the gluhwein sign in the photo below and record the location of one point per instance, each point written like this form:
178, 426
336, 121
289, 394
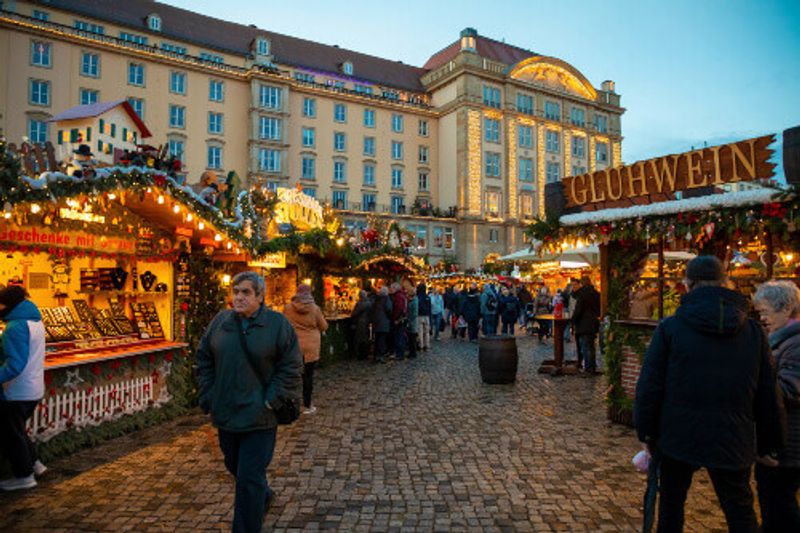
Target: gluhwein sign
659, 179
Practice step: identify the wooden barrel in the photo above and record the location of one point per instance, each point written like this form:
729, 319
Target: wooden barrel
791, 155
497, 359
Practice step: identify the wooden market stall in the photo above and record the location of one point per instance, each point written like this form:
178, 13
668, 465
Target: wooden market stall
650, 218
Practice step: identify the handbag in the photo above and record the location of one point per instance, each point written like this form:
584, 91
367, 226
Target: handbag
286, 409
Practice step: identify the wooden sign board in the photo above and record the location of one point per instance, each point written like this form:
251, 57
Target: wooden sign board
659, 179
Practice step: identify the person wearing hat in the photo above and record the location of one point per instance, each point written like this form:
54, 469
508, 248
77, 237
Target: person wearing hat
21, 384
82, 164
706, 398
309, 324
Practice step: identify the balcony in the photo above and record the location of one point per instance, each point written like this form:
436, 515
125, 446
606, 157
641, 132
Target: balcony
386, 209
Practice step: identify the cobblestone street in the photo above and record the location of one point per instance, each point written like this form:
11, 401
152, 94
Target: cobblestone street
412, 445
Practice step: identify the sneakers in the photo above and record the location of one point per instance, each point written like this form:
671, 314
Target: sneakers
310, 410
39, 468
18, 483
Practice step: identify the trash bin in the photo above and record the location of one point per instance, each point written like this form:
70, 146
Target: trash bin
498, 358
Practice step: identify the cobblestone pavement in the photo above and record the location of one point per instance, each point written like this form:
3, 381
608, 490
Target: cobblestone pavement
417, 445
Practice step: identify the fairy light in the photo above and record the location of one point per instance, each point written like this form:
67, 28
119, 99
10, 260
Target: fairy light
176, 209
160, 199
218, 237
189, 217
35, 208
201, 226
112, 196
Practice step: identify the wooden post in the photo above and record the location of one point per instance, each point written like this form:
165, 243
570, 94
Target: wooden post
604, 276
661, 278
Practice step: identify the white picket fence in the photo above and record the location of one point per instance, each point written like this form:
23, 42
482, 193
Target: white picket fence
82, 408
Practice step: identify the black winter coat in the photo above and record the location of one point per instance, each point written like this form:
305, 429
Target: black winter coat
381, 314
451, 300
586, 317
471, 307
423, 301
360, 319
785, 344
508, 308
706, 388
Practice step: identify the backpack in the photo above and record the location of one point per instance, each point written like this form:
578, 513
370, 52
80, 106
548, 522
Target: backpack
491, 302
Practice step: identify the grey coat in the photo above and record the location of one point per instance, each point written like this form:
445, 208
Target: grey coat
785, 344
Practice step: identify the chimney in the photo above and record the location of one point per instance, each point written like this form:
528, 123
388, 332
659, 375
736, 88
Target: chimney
468, 38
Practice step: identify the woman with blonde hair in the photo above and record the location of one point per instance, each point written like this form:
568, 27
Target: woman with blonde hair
309, 324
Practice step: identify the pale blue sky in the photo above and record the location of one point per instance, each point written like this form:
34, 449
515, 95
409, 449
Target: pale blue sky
688, 71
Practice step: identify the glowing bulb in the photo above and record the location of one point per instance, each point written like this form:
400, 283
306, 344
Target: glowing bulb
217, 237
176, 209
201, 226
7, 215
789, 257
340, 241
112, 196
189, 217
160, 199
307, 281
149, 189
226, 278
35, 208
230, 245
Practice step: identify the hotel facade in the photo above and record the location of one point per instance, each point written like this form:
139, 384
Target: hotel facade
457, 151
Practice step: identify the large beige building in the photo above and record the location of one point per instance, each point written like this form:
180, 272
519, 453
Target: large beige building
457, 151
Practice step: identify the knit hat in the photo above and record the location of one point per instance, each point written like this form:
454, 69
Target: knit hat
10, 297
303, 294
705, 268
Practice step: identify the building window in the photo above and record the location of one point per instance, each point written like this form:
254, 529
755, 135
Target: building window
269, 128
89, 96
552, 110
340, 199
422, 181
525, 103
577, 170
89, 27
37, 131
420, 235
601, 152
177, 116
423, 128
578, 146
601, 123
397, 123
262, 46
215, 122
347, 68
213, 58
154, 22
177, 82
491, 96
270, 97
493, 204
438, 237
340, 171
369, 118
340, 113
339, 141
526, 205
391, 95
397, 150
553, 172
423, 154
492, 165
136, 74
40, 54
369, 146
90, 65
449, 240
216, 90
214, 157
138, 106
308, 137
551, 141
494, 235
525, 136
368, 201
269, 160
362, 89
39, 92
397, 178
272, 186
491, 130
309, 107
369, 174
176, 148
44, 16
525, 169
312, 192
174, 48
304, 77
309, 168
398, 205
133, 38
577, 117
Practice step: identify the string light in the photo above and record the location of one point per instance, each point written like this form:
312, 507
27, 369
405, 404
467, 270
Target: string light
217, 237
160, 199
201, 226
176, 209
112, 196
189, 217
35, 208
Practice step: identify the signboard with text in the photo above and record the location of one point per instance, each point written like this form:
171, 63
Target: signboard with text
12, 234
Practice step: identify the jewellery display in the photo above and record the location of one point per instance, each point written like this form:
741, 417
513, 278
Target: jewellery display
146, 319
147, 279
118, 277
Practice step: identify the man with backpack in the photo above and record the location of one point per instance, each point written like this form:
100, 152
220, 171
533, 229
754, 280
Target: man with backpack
489, 305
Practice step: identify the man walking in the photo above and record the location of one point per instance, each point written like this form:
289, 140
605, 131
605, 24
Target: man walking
586, 319
489, 304
706, 395
248, 361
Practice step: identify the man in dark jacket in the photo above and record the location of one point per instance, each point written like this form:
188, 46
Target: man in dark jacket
382, 323
471, 311
706, 395
240, 389
586, 319
359, 325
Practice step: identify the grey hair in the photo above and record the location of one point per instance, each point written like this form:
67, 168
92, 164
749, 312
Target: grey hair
259, 285
780, 295
396, 286
384, 290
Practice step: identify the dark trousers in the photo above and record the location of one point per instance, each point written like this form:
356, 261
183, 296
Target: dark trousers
380, 345
508, 328
472, 328
777, 496
400, 340
490, 324
247, 456
14, 441
732, 488
588, 352
308, 382
412, 343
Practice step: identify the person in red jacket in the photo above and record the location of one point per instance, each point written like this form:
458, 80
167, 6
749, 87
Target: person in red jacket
399, 317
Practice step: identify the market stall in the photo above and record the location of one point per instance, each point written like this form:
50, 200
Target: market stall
649, 221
